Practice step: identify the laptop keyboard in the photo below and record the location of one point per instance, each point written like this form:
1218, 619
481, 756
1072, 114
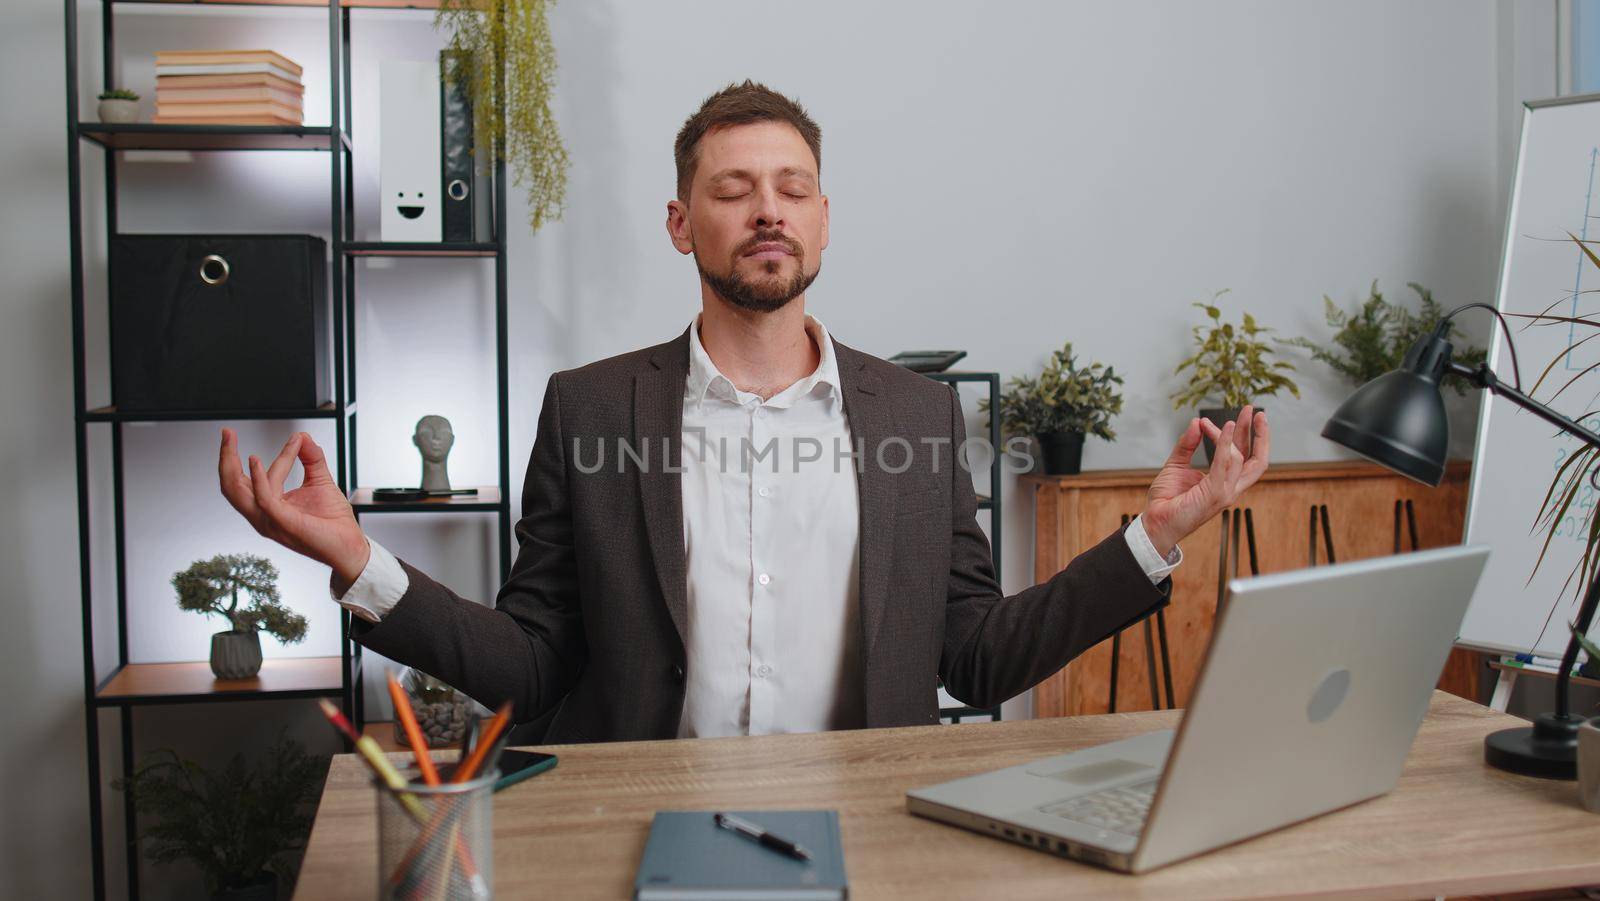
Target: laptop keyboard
1115, 809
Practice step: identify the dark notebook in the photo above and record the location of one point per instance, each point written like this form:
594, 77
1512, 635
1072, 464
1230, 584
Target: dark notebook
689, 857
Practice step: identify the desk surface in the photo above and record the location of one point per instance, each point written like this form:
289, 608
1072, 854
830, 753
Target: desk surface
1453, 826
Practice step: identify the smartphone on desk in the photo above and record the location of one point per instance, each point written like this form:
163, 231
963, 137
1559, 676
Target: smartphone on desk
515, 766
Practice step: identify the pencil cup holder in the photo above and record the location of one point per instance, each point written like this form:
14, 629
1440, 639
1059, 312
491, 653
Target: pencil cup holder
436, 842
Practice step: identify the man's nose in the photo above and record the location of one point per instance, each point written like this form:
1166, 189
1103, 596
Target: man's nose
768, 211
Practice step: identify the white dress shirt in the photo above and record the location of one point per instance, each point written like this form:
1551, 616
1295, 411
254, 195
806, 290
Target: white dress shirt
770, 528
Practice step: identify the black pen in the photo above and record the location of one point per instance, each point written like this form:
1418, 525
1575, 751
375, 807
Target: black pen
766, 839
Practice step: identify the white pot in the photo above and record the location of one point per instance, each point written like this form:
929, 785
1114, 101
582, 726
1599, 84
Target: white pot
1589, 764
119, 111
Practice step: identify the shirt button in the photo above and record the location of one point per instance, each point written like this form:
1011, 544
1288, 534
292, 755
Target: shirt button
763, 491
763, 671
763, 578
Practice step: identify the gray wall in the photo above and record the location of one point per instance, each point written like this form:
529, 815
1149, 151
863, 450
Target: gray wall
1003, 177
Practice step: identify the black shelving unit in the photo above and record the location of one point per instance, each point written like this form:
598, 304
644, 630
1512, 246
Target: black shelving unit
129, 684
991, 502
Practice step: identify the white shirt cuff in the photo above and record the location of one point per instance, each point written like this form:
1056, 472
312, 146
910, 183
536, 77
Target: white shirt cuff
1144, 551
381, 585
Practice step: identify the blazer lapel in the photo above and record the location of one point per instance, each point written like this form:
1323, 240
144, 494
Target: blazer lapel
871, 421
657, 435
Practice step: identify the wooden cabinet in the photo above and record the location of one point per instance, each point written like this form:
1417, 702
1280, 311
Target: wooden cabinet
1366, 516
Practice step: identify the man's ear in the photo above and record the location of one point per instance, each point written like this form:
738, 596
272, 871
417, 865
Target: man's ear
678, 228
824, 223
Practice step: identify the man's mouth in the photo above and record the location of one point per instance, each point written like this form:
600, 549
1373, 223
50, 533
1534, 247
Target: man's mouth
769, 250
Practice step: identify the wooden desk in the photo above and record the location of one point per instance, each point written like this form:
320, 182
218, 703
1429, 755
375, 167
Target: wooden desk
1453, 826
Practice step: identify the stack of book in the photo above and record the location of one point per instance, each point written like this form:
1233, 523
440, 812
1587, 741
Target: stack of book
227, 87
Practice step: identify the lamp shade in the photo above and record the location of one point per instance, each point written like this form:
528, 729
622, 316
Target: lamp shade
1396, 420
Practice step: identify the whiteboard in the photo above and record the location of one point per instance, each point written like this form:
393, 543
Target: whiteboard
1556, 190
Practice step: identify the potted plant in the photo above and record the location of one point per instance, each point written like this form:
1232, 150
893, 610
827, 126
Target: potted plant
1231, 366
212, 587
119, 105
442, 712
1374, 338
239, 826
1060, 408
510, 39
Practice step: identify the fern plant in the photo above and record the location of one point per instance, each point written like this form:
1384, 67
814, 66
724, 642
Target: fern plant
1373, 339
1063, 398
236, 824
507, 43
1232, 364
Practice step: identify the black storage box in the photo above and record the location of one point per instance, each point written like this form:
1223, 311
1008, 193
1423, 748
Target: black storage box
219, 322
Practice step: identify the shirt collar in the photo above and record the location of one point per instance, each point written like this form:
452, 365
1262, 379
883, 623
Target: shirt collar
704, 377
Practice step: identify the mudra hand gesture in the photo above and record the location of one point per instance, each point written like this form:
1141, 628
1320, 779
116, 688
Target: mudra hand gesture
315, 519
1183, 497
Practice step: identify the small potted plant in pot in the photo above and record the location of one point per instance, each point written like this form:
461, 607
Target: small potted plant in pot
1372, 340
1061, 407
240, 826
119, 106
1232, 366
441, 711
212, 587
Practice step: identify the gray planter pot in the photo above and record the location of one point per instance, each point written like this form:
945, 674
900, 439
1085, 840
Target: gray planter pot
1589, 765
236, 655
119, 111
1219, 417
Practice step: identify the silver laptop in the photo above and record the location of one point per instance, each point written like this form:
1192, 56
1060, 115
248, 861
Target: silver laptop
1310, 695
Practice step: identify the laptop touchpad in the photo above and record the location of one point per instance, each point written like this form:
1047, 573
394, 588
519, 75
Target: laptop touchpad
1096, 773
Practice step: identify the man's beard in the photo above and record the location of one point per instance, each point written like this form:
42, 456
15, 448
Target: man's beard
762, 297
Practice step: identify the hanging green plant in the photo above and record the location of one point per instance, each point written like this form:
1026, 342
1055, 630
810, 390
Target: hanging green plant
509, 41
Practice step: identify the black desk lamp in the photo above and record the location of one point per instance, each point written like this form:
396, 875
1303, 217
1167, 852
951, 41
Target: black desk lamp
1398, 420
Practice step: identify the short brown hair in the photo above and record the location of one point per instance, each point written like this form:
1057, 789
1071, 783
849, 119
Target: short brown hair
739, 104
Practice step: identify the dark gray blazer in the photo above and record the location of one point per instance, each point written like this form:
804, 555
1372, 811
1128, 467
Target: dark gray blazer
590, 624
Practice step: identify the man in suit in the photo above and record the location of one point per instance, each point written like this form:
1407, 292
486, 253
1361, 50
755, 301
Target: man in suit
752, 527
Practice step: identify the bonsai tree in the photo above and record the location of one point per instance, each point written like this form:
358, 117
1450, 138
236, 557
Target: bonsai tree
510, 40
1060, 407
118, 94
212, 587
1232, 365
1374, 338
238, 826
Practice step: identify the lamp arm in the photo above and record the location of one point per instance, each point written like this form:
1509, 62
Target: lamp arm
1483, 377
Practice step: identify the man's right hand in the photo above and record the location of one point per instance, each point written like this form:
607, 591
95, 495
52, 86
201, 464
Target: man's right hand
315, 519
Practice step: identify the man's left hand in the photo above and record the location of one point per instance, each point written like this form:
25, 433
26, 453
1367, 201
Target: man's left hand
1184, 497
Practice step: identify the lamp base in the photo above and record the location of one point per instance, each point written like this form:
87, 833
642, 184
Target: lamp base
1547, 749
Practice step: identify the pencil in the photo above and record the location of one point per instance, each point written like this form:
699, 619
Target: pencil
376, 759
468, 768
408, 721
